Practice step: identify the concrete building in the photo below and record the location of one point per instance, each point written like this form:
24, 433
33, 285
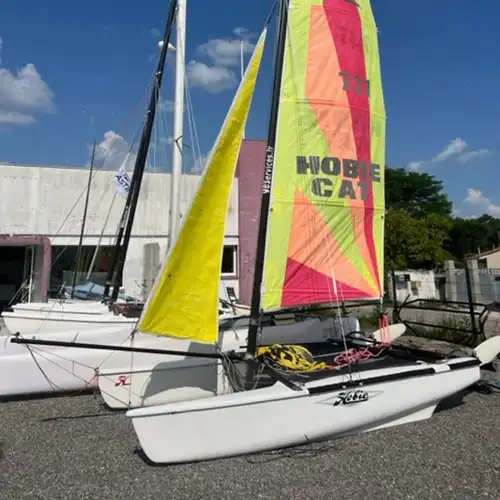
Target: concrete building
41, 216
489, 259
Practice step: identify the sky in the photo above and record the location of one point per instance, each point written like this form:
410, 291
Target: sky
78, 72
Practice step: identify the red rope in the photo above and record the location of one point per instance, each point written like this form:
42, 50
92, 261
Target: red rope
351, 356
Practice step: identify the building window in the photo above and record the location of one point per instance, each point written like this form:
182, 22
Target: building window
229, 260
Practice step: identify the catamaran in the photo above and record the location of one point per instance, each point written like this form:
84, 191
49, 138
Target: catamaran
320, 240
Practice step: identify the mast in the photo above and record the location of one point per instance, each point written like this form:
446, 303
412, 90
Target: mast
140, 163
119, 236
242, 69
268, 175
177, 145
82, 231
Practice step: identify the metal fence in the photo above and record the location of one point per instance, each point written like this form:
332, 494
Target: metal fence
460, 297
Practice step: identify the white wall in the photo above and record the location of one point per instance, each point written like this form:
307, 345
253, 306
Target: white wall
46, 201
420, 285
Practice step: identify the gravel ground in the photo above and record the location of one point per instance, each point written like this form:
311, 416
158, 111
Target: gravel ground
72, 448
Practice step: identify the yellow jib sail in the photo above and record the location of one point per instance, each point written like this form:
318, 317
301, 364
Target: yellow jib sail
185, 298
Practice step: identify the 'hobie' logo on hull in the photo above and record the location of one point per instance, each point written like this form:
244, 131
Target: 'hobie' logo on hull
350, 397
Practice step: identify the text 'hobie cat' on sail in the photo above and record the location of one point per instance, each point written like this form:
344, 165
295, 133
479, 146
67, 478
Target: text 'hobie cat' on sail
184, 300
326, 214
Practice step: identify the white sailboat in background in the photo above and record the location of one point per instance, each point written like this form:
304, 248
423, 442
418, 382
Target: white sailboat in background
68, 315
57, 370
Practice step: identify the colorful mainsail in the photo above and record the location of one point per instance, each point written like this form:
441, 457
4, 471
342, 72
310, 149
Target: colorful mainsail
185, 298
325, 231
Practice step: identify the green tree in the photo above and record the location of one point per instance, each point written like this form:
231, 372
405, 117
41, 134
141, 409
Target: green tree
470, 236
466, 236
416, 194
412, 242
493, 225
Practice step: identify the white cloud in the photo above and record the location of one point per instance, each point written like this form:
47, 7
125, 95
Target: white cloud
225, 52
166, 140
199, 164
481, 204
166, 105
155, 32
1, 43
243, 33
415, 165
211, 78
457, 148
454, 147
15, 118
26, 89
472, 155
112, 151
161, 142
23, 94
474, 196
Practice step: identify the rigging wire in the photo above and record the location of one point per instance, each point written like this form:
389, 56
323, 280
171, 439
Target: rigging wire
129, 118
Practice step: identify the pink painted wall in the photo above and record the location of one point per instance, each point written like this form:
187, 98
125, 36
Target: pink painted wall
250, 175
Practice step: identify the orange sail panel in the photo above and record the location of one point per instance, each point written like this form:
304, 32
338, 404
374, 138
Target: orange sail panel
325, 232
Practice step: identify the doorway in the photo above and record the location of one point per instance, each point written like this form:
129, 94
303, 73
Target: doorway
12, 272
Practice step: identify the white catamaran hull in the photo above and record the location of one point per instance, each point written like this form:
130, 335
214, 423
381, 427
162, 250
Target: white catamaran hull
28, 370
147, 380
128, 380
62, 321
73, 316
67, 305
281, 417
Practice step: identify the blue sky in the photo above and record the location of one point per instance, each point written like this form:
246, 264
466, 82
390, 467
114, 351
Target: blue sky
84, 70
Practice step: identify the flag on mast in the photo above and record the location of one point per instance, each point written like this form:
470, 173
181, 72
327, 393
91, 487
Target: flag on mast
122, 179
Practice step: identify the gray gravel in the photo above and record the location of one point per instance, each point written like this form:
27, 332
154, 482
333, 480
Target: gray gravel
72, 448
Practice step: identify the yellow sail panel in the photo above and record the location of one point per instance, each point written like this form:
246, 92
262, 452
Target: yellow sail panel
185, 298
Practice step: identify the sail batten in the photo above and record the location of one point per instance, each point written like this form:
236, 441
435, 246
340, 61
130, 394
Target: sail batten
184, 300
324, 238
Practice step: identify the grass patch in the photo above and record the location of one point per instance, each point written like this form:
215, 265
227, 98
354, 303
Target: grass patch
432, 304
371, 321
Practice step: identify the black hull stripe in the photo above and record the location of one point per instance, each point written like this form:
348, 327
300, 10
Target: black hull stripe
388, 378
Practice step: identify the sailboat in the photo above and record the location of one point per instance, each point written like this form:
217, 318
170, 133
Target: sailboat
74, 315
320, 239
53, 369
